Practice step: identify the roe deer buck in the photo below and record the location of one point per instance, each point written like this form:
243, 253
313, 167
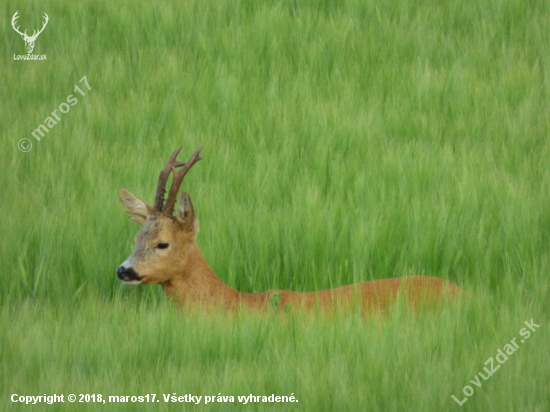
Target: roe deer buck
166, 253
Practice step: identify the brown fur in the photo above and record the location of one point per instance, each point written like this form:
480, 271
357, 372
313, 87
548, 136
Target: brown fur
188, 280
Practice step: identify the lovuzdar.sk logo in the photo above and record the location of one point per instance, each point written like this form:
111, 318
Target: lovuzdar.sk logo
29, 40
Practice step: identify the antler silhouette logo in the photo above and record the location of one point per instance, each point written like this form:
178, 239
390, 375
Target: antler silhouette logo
29, 40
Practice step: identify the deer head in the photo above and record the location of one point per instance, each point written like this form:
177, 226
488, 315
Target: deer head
165, 243
29, 40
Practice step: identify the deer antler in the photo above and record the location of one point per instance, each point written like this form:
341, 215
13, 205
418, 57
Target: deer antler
14, 18
34, 33
178, 178
163, 177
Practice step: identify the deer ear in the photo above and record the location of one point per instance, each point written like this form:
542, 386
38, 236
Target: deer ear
186, 213
136, 208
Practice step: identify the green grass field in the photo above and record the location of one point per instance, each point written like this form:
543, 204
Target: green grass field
344, 141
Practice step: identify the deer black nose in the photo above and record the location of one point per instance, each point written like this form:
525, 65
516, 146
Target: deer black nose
127, 274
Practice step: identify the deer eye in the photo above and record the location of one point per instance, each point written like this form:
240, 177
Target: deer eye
162, 246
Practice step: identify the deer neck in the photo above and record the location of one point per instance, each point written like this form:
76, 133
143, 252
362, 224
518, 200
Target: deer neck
198, 285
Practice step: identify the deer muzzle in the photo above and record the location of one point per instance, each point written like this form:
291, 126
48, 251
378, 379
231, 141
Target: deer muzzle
128, 275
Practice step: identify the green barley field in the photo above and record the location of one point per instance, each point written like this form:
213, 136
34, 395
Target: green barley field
344, 141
